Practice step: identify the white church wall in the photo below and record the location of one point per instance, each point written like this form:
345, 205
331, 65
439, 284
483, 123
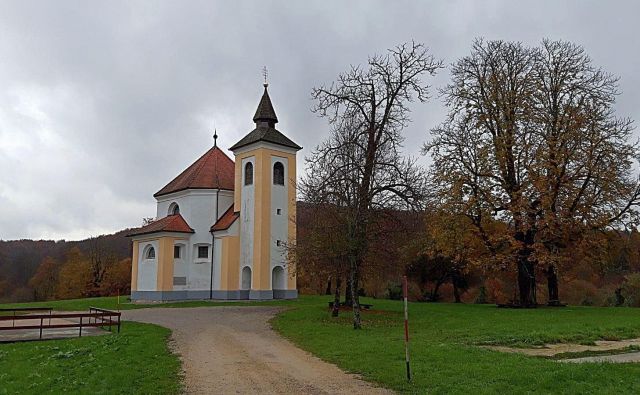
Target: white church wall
198, 208
247, 218
200, 269
180, 267
147, 268
279, 216
217, 251
164, 202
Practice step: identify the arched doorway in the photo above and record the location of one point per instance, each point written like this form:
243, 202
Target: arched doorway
278, 282
246, 278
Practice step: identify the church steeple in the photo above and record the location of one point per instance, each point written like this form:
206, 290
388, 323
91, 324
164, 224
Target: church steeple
265, 114
265, 119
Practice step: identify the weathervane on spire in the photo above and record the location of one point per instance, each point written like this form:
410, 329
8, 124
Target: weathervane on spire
265, 74
215, 137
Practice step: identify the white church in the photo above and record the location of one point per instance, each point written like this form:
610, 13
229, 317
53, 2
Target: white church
223, 224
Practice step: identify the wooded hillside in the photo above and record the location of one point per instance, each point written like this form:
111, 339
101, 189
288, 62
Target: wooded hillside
43, 269
444, 259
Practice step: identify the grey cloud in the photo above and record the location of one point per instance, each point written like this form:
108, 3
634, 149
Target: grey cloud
102, 103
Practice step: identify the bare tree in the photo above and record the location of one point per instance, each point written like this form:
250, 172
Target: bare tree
320, 248
100, 260
359, 168
531, 139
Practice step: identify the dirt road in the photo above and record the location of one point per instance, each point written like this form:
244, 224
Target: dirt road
233, 350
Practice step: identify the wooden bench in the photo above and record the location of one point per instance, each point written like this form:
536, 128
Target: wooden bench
364, 306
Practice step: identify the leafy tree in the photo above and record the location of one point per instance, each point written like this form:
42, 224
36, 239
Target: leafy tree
531, 139
45, 280
446, 251
117, 278
74, 280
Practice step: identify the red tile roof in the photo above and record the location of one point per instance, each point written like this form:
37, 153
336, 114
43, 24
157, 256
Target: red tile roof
227, 219
171, 223
213, 170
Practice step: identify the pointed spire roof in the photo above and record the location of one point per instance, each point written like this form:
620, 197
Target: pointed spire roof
265, 119
212, 170
265, 111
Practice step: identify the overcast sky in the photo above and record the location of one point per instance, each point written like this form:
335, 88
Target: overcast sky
103, 103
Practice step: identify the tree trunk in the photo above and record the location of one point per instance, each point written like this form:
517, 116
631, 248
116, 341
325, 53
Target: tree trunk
328, 290
456, 291
336, 299
552, 285
526, 269
434, 297
526, 280
348, 296
355, 298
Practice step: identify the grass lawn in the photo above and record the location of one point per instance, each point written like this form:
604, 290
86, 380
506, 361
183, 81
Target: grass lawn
111, 302
136, 361
444, 349
444, 353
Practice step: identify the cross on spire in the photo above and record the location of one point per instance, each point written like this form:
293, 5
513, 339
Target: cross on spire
265, 74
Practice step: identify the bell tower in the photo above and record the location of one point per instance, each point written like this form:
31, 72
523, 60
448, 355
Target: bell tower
265, 198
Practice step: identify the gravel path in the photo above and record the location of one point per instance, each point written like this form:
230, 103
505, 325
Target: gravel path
630, 357
550, 350
233, 350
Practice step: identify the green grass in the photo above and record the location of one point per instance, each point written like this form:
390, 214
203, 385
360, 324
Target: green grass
445, 352
111, 302
136, 361
445, 356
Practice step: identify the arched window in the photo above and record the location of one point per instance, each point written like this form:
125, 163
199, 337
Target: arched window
174, 209
278, 173
151, 253
248, 174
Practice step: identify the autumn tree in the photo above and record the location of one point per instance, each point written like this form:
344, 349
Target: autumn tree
117, 279
321, 247
45, 279
359, 168
446, 250
531, 139
74, 279
100, 259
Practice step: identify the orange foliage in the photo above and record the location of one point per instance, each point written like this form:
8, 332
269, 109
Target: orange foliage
74, 276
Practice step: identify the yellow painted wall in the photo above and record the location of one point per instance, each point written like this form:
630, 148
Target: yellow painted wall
134, 267
291, 159
165, 264
230, 265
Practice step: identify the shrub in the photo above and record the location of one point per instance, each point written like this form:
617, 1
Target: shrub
394, 291
581, 292
482, 295
631, 290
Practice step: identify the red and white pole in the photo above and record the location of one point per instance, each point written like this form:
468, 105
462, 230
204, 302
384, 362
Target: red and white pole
406, 326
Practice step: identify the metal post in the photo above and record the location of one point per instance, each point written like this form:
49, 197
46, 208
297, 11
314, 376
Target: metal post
406, 327
41, 328
80, 331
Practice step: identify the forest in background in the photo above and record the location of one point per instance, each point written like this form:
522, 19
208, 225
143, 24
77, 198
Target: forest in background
45, 269
445, 261
439, 254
